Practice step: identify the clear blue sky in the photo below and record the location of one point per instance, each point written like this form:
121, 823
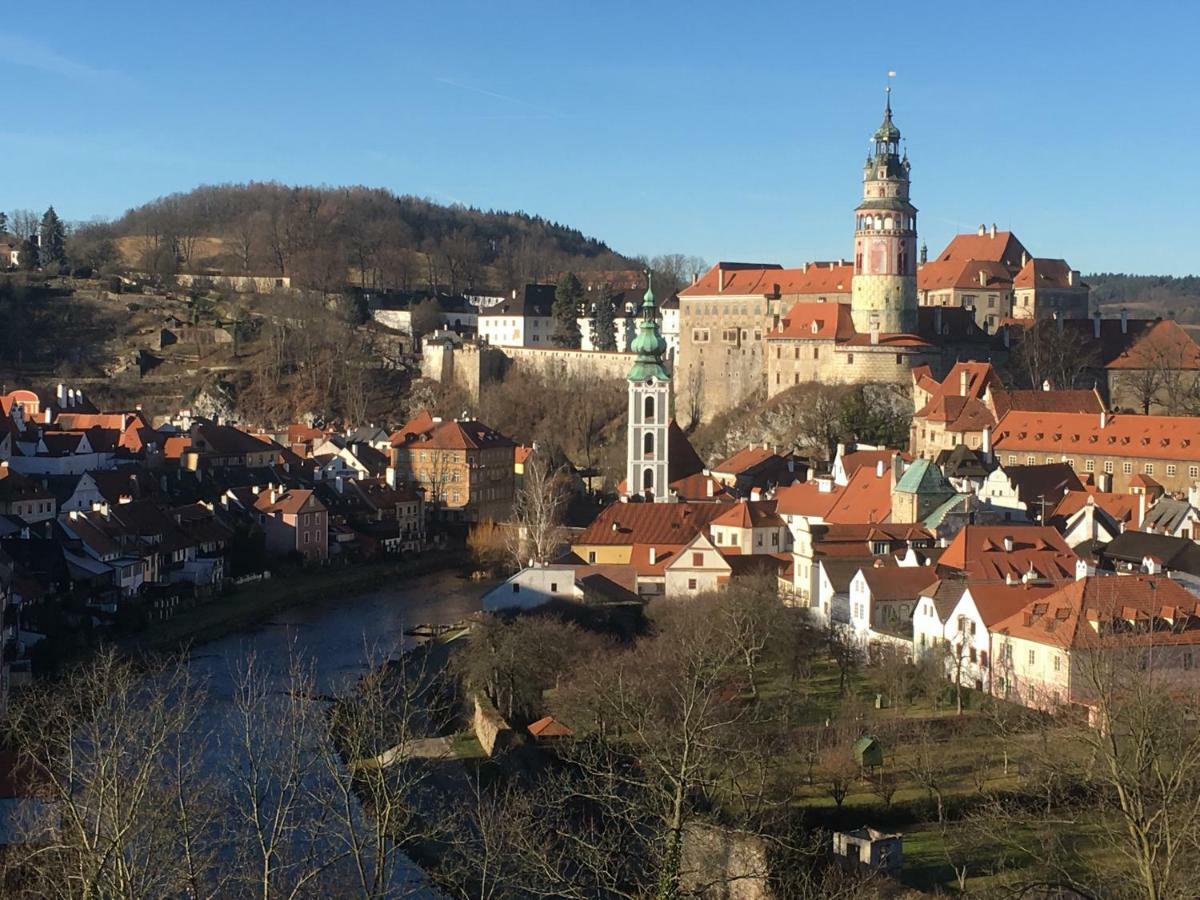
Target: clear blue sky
730, 131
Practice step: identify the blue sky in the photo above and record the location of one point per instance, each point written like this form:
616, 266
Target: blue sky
729, 131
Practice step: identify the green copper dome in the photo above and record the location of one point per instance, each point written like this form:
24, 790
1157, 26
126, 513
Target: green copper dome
649, 345
888, 132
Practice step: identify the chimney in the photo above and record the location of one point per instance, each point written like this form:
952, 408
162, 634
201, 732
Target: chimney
653, 556
982, 278
1103, 418
1124, 320
338, 485
1072, 277
60, 394
1096, 324
982, 231
708, 487
879, 469
992, 233
1008, 544
274, 495
1141, 508
755, 493
1024, 259
390, 476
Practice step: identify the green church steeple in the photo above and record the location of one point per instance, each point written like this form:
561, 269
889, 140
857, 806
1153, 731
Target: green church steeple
649, 345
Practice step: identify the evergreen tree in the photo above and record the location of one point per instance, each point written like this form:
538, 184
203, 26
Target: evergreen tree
603, 322
568, 296
29, 255
3, 222
53, 239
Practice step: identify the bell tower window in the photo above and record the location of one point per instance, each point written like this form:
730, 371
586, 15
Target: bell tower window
648, 445
648, 410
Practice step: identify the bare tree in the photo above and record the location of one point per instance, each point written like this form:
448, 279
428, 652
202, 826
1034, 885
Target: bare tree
538, 513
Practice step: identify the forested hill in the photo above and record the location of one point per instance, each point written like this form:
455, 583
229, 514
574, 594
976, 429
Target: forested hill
322, 236
1147, 295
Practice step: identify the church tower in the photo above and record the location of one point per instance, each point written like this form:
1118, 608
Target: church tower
649, 409
884, 289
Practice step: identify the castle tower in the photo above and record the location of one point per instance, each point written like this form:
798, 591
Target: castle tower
649, 409
884, 289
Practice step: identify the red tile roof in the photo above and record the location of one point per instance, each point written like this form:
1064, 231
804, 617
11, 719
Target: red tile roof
867, 497
805, 499
979, 552
964, 274
1116, 602
1149, 437
1003, 247
1046, 273
421, 423
463, 435
995, 602
649, 523
749, 514
745, 459
815, 321
749, 279
287, 502
1046, 401
1122, 507
899, 582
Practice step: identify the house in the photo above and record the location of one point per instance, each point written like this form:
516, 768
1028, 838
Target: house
869, 848
1087, 519
1140, 551
24, 497
567, 581
1168, 515
749, 527
112, 486
465, 467
1028, 493
932, 614
812, 543
215, 446
613, 535
760, 468
1115, 447
703, 566
882, 600
967, 634
1044, 652
294, 520
523, 320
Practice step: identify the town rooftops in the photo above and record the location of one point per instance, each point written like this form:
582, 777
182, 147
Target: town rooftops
745, 459
1151, 437
815, 321
1173, 553
461, 434
1122, 507
1042, 483
419, 424
1076, 401
996, 601
749, 514
287, 501
966, 274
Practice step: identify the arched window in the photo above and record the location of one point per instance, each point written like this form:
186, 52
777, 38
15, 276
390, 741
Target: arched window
648, 445
887, 223
648, 480
648, 410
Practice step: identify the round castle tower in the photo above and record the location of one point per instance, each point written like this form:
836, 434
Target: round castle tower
884, 288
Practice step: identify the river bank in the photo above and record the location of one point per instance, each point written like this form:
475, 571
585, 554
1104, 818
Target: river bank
251, 605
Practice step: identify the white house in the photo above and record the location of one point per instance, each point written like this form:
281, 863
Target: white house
882, 600
968, 629
524, 320
697, 569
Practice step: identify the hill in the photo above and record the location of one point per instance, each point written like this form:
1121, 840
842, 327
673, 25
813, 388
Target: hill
322, 237
1147, 295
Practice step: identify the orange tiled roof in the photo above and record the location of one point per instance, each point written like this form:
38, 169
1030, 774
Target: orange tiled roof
746, 458
1046, 273
979, 552
1003, 248
867, 497
286, 502
748, 279
1149, 437
1122, 507
815, 321
749, 514
995, 602
965, 274
805, 499
1126, 605
649, 523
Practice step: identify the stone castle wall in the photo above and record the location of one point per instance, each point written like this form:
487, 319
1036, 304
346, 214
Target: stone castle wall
793, 362
557, 362
892, 297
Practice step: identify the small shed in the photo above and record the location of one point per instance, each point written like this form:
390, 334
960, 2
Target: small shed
868, 752
870, 849
549, 727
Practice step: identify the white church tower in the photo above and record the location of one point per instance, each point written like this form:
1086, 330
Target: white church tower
649, 410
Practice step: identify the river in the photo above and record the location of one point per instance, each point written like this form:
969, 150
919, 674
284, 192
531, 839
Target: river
331, 637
